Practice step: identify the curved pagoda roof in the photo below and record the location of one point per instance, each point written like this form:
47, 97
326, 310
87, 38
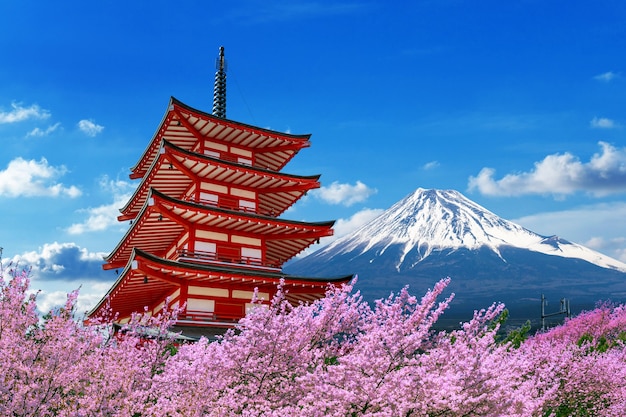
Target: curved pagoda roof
163, 219
147, 280
174, 169
185, 126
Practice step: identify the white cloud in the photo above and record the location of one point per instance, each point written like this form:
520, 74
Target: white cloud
19, 113
48, 300
24, 178
560, 175
603, 123
59, 268
88, 296
600, 227
99, 218
431, 165
41, 132
105, 216
119, 188
620, 254
61, 261
344, 194
356, 221
615, 246
606, 77
89, 127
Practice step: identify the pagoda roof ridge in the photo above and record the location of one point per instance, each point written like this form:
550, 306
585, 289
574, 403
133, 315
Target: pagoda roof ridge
174, 150
187, 125
265, 171
301, 234
177, 102
207, 269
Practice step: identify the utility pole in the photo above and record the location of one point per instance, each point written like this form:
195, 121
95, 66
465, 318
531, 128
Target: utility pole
563, 309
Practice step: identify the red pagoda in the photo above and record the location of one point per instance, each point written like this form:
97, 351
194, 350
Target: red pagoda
205, 220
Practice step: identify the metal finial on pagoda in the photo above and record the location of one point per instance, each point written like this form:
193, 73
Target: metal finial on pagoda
219, 90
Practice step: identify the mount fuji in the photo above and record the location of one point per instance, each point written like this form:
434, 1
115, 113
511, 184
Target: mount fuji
432, 234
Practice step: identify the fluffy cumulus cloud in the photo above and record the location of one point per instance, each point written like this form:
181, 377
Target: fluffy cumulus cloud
344, 194
89, 127
18, 113
62, 262
560, 175
603, 123
31, 178
104, 216
59, 268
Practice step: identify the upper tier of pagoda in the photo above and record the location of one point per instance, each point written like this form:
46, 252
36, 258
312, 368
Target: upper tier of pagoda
186, 175
204, 133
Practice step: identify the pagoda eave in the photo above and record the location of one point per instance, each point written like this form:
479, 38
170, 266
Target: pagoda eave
172, 173
185, 126
163, 219
147, 279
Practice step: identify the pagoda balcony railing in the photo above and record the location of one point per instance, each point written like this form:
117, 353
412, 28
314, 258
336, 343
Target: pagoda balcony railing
203, 256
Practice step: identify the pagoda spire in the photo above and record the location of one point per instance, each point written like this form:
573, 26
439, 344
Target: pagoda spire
219, 90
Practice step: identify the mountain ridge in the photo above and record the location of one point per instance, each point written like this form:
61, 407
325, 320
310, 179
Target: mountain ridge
446, 219
432, 234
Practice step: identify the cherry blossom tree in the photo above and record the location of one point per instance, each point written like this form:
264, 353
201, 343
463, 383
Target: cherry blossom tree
337, 356
56, 366
584, 362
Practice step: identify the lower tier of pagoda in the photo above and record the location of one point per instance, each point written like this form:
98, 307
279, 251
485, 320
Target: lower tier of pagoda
211, 296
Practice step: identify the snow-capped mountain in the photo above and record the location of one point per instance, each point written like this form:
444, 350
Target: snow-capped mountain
431, 234
429, 220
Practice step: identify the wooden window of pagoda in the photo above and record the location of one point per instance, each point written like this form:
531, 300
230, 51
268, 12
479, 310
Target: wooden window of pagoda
205, 250
247, 206
251, 256
242, 156
230, 156
209, 199
200, 305
214, 195
244, 161
247, 199
211, 153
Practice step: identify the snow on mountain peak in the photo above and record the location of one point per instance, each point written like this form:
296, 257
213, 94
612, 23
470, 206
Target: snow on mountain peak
430, 219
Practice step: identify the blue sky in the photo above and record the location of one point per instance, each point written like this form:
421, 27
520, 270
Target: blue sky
518, 105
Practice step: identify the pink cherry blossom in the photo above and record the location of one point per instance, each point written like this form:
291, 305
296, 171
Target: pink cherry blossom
338, 356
